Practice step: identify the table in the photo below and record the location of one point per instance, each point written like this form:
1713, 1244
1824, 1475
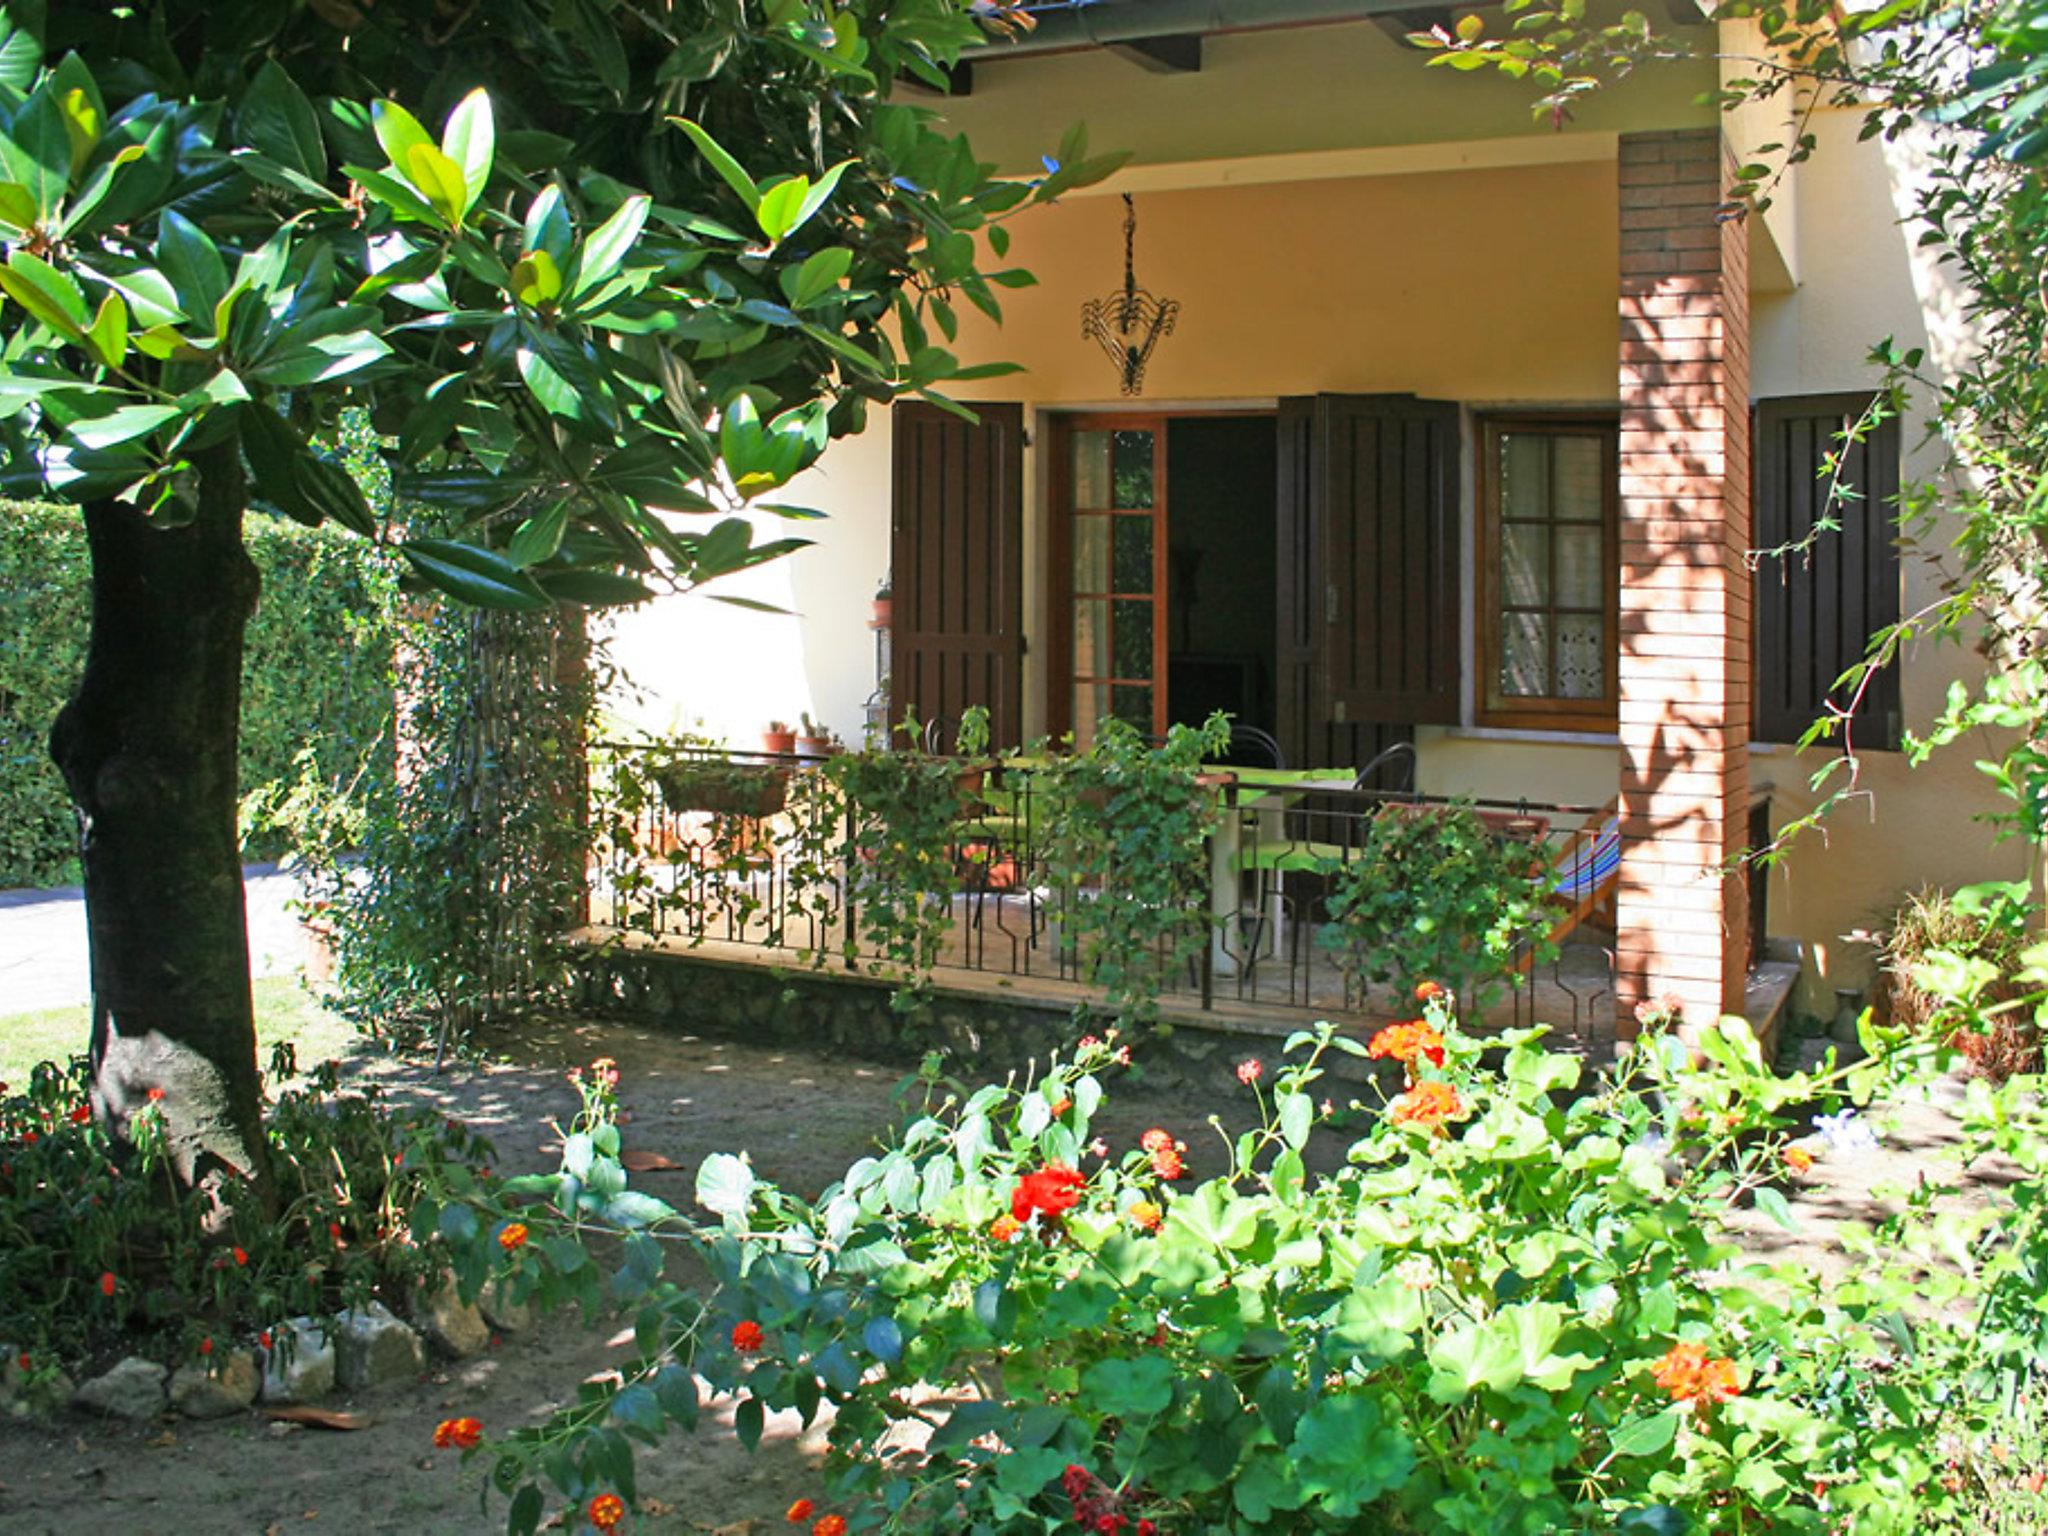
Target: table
1267, 792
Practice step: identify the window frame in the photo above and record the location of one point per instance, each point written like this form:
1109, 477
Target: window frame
1492, 708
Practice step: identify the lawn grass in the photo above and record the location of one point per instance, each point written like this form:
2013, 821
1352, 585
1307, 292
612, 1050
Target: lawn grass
284, 1011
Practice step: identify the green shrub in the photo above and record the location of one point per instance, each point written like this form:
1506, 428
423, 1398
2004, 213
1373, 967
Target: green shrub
1986, 928
1515, 1307
317, 669
103, 1253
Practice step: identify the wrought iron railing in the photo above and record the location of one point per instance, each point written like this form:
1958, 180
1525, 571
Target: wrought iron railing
701, 847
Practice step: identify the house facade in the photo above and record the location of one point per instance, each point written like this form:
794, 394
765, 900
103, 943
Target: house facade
1452, 458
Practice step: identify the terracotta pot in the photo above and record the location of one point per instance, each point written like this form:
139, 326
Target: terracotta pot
319, 952
759, 791
779, 743
881, 611
815, 746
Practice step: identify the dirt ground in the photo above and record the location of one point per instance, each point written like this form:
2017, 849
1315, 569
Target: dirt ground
803, 1118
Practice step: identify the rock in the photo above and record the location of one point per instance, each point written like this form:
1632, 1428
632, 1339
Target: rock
225, 1386
502, 1312
452, 1325
299, 1367
375, 1347
134, 1389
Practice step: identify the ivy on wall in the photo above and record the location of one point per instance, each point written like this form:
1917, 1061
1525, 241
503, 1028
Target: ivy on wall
318, 669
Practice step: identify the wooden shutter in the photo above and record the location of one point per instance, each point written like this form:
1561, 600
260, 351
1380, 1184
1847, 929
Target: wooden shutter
956, 571
1369, 585
1817, 606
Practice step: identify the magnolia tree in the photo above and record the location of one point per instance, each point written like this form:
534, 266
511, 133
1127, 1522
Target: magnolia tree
591, 320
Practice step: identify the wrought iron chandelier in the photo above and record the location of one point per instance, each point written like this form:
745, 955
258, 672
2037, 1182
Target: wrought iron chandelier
1129, 324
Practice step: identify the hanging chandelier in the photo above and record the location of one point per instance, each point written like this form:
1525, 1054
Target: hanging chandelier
1129, 324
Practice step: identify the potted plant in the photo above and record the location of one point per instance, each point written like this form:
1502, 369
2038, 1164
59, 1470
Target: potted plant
813, 740
882, 607
778, 739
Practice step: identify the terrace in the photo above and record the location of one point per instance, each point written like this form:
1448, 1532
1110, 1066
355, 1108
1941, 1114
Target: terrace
962, 875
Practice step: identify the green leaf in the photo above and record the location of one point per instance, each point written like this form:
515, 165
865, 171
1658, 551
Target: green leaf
593, 589
725, 1184
192, 262
1297, 1119
539, 536
397, 131
51, 296
536, 280
1646, 1436
729, 169
482, 578
883, 1339
17, 207
1129, 1389
821, 272
277, 121
470, 140
528, 1505
1348, 1453
439, 180
747, 1420
121, 426
609, 243
1773, 1205
37, 152
634, 1210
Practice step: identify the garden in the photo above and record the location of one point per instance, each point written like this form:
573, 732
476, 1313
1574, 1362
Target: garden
364, 368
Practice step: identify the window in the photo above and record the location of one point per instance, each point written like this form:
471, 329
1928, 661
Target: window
1548, 585
1826, 590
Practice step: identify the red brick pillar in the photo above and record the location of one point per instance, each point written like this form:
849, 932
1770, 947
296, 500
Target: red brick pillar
1685, 532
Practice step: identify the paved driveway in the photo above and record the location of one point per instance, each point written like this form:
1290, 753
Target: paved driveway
43, 949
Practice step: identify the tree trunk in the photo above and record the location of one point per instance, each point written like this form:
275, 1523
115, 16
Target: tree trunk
148, 746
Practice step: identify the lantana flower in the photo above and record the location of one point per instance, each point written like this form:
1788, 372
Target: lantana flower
513, 1238
1051, 1191
1690, 1375
1429, 1105
799, 1512
1146, 1216
1250, 1070
747, 1337
461, 1434
606, 1511
1407, 1042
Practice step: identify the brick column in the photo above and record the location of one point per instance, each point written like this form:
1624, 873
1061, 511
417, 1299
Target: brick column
1685, 592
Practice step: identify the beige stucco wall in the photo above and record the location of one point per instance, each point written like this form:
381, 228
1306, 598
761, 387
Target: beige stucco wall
1371, 263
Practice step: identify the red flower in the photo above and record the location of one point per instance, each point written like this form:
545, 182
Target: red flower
830, 1525
1428, 991
1428, 1104
156, 1095
462, 1434
334, 1230
24, 1362
1166, 1162
1052, 1191
1407, 1043
513, 1237
1250, 1070
1155, 1140
263, 1338
747, 1337
206, 1346
107, 1283
81, 1114
606, 1511
241, 1257
1003, 1228
799, 1512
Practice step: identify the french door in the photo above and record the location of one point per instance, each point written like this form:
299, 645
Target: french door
1109, 574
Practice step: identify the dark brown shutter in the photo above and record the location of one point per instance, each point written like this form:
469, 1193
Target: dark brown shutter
956, 571
1369, 599
1818, 605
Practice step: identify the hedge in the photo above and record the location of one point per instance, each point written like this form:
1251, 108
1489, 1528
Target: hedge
318, 666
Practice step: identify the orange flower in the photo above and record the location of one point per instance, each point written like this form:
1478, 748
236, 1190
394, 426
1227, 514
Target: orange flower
1052, 1191
799, 1512
107, 1283
513, 1238
1065, 1104
1146, 1216
1798, 1159
747, 1337
831, 1525
1428, 1104
156, 1095
462, 1434
1167, 1163
1407, 1043
1689, 1375
1005, 1227
1155, 1140
1428, 991
241, 1257
606, 1511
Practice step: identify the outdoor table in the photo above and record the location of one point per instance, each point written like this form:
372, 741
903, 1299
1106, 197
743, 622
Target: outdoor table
1267, 793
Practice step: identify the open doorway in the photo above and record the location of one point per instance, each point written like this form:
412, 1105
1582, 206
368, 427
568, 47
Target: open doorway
1166, 570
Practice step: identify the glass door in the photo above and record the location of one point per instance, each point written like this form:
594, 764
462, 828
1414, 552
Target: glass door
1116, 573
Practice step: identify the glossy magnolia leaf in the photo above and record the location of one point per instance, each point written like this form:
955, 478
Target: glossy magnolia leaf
277, 121
593, 589
439, 181
821, 273
192, 262
398, 131
51, 296
470, 141
121, 426
482, 578
609, 242
18, 209
36, 149
539, 536
729, 169
20, 55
